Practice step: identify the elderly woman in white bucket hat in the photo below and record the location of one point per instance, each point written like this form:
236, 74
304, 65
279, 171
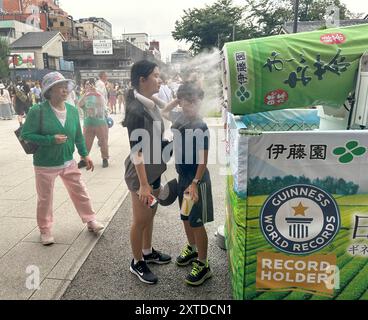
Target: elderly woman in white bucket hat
54, 125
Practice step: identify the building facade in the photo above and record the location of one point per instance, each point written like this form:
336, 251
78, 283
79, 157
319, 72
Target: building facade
140, 40
117, 65
103, 27
40, 52
12, 30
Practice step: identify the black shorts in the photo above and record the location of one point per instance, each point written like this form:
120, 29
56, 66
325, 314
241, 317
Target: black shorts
202, 211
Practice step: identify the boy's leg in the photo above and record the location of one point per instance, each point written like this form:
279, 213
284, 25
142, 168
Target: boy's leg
201, 241
190, 234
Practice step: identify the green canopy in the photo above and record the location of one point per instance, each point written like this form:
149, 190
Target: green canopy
294, 70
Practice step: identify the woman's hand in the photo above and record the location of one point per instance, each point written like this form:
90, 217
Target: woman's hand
89, 162
144, 194
192, 190
60, 139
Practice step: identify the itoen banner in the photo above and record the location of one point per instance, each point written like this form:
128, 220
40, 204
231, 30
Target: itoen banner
300, 231
293, 71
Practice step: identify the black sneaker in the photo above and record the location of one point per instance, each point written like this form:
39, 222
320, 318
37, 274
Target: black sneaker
143, 273
200, 273
187, 256
82, 164
157, 257
105, 163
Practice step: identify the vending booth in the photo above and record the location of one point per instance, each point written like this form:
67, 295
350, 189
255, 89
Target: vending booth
297, 188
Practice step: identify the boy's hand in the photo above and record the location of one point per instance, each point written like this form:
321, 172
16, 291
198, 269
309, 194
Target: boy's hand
192, 190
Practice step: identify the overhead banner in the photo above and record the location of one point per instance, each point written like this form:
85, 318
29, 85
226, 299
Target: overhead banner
300, 232
293, 71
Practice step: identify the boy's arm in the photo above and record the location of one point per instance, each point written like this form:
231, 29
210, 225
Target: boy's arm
202, 167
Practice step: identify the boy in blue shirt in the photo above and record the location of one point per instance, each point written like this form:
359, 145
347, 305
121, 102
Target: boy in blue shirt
191, 144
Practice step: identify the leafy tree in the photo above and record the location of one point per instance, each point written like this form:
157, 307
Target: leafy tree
270, 15
211, 26
4, 52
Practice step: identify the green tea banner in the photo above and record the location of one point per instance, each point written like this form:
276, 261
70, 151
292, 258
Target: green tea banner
304, 219
293, 71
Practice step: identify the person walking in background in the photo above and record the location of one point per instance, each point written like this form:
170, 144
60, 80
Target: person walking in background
36, 92
194, 182
121, 102
95, 125
21, 99
112, 92
142, 173
101, 86
5, 104
54, 125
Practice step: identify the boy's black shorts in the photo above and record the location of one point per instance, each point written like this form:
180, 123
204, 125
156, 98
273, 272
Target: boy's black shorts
202, 211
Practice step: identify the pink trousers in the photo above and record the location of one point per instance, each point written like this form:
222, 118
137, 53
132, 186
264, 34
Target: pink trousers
45, 181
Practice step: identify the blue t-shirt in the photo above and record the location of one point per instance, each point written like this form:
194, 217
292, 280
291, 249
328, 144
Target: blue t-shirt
191, 136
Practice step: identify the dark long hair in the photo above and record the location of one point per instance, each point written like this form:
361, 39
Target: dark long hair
140, 69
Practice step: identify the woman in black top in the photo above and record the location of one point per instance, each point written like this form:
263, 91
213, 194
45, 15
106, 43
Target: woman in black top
144, 166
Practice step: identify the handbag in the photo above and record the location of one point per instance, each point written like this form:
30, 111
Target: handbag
28, 146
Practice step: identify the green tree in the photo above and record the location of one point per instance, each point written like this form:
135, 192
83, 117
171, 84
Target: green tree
4, 52
268, 16
211, 26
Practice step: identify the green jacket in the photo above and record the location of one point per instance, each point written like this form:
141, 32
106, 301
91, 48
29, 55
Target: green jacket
50, 154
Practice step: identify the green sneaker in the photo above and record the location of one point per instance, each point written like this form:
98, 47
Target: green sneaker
186, 257
200, 273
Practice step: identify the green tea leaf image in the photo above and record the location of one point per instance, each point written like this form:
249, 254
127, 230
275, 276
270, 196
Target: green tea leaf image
339, 151
352, 145
347, 158
359, 151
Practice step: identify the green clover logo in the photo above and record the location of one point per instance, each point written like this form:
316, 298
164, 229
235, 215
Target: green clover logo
243, 94
348, 153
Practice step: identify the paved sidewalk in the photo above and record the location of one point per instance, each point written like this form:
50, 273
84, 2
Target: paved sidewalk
19, 241
20, 250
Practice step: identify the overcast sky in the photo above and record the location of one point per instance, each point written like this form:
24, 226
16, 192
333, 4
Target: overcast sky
157, 18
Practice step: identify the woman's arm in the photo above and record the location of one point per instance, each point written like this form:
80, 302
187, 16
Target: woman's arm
165, 112
31, 129
145, 189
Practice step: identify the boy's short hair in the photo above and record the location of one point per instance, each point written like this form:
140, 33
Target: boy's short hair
189, 90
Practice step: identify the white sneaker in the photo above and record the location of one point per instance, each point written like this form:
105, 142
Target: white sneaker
47, 239
95, 226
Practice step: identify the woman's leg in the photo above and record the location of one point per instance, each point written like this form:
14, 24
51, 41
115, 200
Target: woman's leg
141, 229
45, 181
72, 179
89, 135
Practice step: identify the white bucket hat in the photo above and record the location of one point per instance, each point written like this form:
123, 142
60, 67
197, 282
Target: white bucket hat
54, 78
2, 86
